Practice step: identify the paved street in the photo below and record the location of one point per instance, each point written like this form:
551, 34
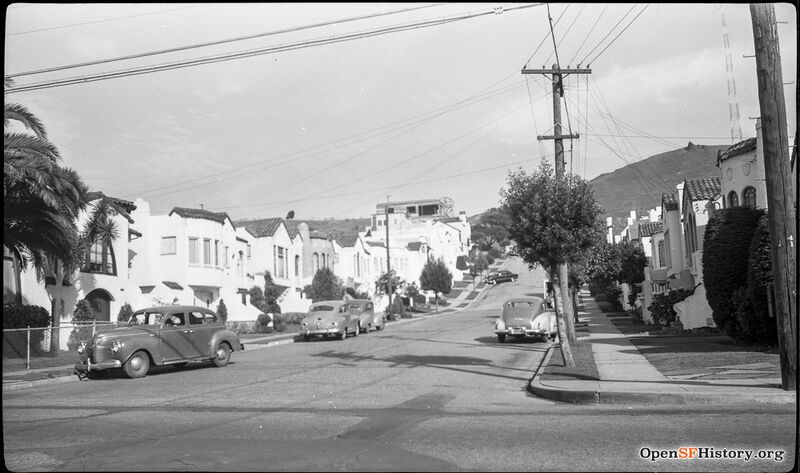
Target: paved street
435, 395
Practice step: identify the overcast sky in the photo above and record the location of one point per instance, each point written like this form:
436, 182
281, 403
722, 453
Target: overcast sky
329, 130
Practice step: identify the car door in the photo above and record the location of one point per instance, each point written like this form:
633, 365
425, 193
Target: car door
174, 337
199, 333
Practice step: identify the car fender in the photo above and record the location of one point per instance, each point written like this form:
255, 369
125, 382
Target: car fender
150, 345
223, 336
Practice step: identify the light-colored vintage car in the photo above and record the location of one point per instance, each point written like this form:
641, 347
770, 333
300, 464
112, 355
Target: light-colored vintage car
529, 317
364, 309
165, 335
329, 318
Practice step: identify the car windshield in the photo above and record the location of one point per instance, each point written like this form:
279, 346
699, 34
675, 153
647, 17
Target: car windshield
524, 305
321, 308
354, 307
146, 318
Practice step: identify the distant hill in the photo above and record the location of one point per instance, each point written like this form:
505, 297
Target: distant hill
639, 186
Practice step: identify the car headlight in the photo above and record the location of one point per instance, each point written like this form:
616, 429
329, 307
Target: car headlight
116, 346
303, 323
81, 348
334, 324
500, 324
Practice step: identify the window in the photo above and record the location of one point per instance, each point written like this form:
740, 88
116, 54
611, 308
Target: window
749, 196
297, 265
661, 255
733, 199
11, 281
280, 264
225, 257
194, 251
315, 262
207, 251
168, 245
248, 251
195, 318
100, 259
216, 252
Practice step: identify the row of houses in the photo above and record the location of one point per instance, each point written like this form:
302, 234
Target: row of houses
200, 257
672, 234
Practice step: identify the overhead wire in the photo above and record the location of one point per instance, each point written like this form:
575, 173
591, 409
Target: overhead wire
620, 33
607, 35
250, 53
218, 42
588, 34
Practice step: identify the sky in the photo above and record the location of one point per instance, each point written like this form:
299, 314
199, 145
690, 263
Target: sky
336, 107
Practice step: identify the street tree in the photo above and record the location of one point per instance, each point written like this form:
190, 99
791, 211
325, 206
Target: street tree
554, 220
326, 286
436, 277
492, 228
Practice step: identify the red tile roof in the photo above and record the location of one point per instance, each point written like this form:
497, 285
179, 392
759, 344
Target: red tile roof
737, 149
647, 229
200, 213
669, 201
704, 188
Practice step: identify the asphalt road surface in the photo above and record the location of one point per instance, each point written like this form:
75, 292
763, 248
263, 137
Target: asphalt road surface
428, 395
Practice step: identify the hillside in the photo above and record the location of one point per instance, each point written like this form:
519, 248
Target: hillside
639, 186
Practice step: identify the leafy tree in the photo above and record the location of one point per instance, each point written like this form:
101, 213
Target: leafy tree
257, 299
82, 316
554, 220
436, 277
125, 313
382, 283
271, 293
326, 286
492, 229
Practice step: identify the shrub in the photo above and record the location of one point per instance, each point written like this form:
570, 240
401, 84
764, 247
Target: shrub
759, 276
613, 294
262, 324
222, 311
125, 313
661, 308
636, 314
420, 299
601, 297
82, 317
726, 246
494, 253
397, 309
17, 316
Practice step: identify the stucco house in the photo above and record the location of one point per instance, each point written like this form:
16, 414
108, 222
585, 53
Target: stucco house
742, 176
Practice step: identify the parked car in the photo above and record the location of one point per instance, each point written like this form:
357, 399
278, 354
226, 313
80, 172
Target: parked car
364, 310
501, 276
529, 317
329, 318
166, 335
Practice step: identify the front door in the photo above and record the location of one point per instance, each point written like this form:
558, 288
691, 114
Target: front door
199, 334
175, 337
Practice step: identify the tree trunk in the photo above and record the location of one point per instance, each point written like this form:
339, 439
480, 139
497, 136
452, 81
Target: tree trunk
563, 338
573, 291
563, 282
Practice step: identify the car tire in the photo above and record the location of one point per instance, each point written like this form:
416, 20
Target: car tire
501, 338
357, 330
222, 355
137, 365
343, 336
306, 337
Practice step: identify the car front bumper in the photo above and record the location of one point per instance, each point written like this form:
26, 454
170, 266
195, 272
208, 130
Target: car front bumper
522, 332
87, 366
321, 331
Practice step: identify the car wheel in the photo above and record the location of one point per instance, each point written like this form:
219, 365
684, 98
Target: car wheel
357, 330
137, 366
343, 336
501, 338
306, 337
222, 355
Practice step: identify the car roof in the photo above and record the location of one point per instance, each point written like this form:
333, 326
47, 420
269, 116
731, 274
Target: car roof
173, 308
524, 299
330, 302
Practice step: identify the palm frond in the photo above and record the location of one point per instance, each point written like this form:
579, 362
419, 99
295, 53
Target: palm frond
21, 145
19, 113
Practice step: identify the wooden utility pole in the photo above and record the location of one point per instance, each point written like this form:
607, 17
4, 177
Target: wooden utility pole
780, 193
388, 257
562, 276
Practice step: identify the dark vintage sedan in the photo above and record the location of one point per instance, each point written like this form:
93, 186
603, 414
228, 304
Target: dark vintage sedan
526, 317
329, 318
501, 276
166, 335
364, 310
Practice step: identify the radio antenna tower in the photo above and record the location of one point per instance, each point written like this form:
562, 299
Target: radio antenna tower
733, 103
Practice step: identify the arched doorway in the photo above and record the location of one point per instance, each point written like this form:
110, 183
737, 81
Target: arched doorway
100, 300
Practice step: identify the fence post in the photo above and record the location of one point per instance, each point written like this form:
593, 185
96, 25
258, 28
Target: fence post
28, 351
94, 327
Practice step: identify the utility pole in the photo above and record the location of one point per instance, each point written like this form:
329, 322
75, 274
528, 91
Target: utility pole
558, 91
388, 257
780, 193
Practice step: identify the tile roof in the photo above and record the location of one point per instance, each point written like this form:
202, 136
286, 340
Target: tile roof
121, 206
704, 188
414, 245
200, 213
376, 243
737, 149
347, 240
669, 201
647, 229
261, 228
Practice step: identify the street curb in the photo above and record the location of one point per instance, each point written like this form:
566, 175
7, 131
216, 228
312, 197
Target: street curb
576, 396
15, 385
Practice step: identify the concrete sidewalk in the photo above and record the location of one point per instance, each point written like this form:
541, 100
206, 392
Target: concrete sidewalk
627, 377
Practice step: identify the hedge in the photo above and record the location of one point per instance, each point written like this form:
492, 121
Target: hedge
726, 246
17, 316
763, 329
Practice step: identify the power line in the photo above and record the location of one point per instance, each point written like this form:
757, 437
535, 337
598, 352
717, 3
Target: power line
216, 43
618, 35
607, 35
587, 36
251, 53
105, 20
568, 29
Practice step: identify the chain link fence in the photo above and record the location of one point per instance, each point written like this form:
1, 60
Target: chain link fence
36, 347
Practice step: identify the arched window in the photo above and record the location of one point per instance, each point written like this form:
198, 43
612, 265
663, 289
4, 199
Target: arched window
749, 197
315, 262
297, 265
661, 255
324, 260
733, 199
100, 259
100, 301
